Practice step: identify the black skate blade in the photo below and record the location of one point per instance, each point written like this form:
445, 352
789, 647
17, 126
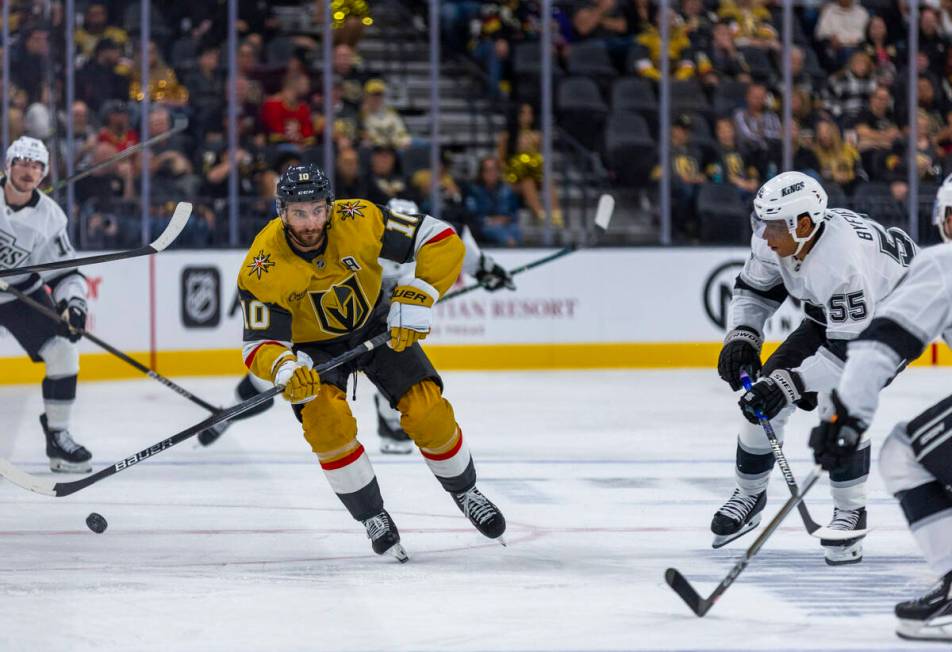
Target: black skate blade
721, 540
211, 435
683, 588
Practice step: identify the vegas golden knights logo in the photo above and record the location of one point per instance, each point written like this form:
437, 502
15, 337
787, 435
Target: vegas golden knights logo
343, 308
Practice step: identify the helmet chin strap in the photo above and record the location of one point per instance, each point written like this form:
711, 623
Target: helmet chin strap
802, 241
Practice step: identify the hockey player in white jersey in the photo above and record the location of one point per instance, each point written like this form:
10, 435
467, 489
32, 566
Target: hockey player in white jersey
916, 459
481, 266
32, 231
841, 266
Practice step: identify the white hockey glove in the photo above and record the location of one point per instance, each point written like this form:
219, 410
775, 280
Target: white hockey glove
493, 276
301, 382
411, 307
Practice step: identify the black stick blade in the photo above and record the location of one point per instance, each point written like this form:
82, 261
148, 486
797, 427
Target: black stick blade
683, 588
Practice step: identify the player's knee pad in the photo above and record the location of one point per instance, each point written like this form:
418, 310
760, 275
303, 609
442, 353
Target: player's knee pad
426, 416
61, 357
898, 465
329, 425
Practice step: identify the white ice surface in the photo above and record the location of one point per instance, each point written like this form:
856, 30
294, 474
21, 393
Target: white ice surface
606, 478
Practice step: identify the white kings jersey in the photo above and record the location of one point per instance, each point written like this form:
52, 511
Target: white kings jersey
853, 265
393, 271
33, 234
918, 311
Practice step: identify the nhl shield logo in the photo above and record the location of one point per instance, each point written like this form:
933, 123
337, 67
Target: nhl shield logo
201, 303
343, 308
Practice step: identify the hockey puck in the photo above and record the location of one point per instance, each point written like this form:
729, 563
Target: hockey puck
96, 523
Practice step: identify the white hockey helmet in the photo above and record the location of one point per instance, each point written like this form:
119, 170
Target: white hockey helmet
30, 149
404, 206
788, 197
942, 208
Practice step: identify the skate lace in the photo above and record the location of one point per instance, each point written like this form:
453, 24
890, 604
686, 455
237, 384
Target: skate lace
477, 506
65, 441
377, 526
844, 519
739, 506
941, 590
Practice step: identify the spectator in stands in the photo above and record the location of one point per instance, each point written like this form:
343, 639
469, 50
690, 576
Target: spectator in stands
804, 160
351, 18
84, 137
883, 53
698, 23
109, 183
348, 76
758, 130
15, 118
37, 121
520, 148
247, 59
730, 165
802, 80
931, 40
492, 33
95, 28
929, 102
99, 80
841, 28
164, 86
29, 58
286, 117
115, 126
928, 157
384, 181
637, 16
452, 207
492, 205
750, 23
839, 161
726, 61
348, 182
102, 229
214, 166
379, 123
648, 51
170, 168
686, 179
848, 90
206, 89
876, 128
945, 17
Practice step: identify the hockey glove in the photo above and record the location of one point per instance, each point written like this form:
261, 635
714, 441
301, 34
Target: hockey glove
411, 305
301, 383
493, 276
837, 436
768, 396
741, 352
74, 312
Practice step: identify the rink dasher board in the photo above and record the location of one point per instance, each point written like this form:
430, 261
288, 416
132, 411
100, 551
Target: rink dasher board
606, 308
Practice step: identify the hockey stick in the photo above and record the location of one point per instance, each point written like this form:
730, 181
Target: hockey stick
813, 528
55, 316
603, 216
178, 127
172, 230
689, 594
58, 489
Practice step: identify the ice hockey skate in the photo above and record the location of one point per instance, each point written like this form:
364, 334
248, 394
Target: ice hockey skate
482, 513
850, 551
66, 456
928, 617
738, 516
393, 440
384, 536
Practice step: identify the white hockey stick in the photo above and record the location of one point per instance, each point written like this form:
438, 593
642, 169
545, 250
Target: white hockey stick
183, 210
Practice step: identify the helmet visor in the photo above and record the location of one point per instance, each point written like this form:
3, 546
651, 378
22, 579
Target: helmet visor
763, 228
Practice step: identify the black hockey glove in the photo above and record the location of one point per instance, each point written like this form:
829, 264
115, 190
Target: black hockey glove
741, 352
493, 276
837, 436
74, 312
769, 395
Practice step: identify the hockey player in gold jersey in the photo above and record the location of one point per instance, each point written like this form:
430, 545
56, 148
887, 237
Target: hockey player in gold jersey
310, 289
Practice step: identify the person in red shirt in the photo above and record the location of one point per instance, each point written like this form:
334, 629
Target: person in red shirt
116, 130
286, 116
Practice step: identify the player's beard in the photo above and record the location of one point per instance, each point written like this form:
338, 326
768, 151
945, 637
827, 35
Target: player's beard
306, 238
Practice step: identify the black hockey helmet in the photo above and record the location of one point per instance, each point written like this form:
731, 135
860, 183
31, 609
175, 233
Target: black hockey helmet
306, 182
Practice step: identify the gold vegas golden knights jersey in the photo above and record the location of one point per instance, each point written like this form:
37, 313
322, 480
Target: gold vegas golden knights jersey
288, 297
